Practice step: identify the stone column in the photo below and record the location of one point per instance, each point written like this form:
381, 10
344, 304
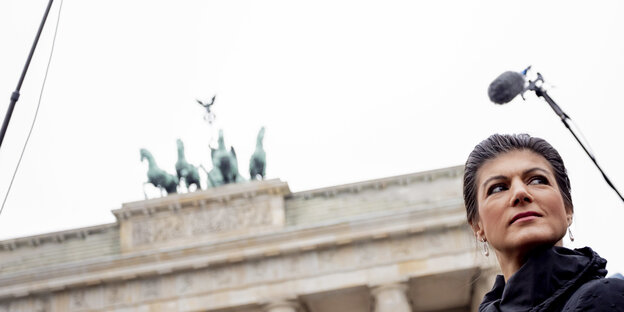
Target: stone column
391, 298
282, 306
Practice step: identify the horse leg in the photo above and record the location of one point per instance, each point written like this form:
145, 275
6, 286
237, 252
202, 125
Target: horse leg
145, 193
188, 184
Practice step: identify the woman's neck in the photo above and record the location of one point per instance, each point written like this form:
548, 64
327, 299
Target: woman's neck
511, 261
510, 264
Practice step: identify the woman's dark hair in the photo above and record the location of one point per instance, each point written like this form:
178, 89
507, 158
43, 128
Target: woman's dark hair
498, 144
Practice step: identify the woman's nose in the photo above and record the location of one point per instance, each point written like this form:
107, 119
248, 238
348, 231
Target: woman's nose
520, 194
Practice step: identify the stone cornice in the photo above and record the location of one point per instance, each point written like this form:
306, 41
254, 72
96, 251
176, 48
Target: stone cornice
424, 176
287, 241
222, 194
56, 237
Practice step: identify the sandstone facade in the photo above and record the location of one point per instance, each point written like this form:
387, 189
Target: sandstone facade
393, 244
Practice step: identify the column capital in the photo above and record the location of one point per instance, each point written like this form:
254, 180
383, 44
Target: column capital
391, 297
394, 286
282, 306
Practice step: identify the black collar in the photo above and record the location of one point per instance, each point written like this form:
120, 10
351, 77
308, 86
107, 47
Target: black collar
547, 279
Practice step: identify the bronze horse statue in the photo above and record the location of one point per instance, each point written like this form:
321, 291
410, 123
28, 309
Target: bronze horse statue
158, 177
185, 170
257, 163
224, 165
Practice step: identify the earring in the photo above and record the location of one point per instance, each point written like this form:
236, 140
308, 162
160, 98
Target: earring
486, 249
570, 234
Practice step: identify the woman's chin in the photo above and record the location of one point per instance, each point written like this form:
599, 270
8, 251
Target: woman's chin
528, 240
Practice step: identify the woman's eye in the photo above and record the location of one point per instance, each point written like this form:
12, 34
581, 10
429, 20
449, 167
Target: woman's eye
496, 188
538, 180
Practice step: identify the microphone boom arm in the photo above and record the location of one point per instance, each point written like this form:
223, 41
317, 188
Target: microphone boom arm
16, 94
540, 92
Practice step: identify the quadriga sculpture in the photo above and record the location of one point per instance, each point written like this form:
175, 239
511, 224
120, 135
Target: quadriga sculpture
158, 177
257, 163
224, 165
185, 170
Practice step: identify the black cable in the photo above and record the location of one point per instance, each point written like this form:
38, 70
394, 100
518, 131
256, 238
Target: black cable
32, 125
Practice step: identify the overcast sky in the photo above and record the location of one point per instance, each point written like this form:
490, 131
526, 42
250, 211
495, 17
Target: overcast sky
348, 91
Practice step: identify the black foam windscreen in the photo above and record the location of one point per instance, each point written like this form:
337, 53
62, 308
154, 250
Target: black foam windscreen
506, 87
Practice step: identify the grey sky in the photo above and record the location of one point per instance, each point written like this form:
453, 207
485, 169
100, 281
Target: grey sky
348, 91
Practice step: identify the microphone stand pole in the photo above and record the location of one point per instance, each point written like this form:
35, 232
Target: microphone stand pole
16, 94
540, 92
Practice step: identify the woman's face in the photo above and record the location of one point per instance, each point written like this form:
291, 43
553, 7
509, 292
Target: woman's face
520, 206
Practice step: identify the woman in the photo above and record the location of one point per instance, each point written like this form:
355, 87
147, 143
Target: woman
518, 203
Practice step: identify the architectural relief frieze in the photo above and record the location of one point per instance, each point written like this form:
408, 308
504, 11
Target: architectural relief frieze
214, 220
36, 304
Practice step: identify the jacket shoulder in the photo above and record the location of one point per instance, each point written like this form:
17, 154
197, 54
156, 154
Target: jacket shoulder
605, 294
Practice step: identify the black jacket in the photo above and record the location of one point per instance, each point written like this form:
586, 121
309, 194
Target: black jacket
557, 279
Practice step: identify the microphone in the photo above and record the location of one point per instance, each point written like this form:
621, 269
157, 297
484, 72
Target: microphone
506, 87
509, 84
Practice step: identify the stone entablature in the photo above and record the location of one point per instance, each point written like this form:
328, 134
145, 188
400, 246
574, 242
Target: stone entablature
232, 249
334, 257
232, 192
412, 191
242, 249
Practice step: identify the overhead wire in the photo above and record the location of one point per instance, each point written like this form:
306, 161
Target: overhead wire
32, 125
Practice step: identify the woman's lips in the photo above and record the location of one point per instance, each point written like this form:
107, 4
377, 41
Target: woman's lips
525, 216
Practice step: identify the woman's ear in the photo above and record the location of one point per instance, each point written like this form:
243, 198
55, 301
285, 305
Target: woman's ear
477, 228
569, 215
